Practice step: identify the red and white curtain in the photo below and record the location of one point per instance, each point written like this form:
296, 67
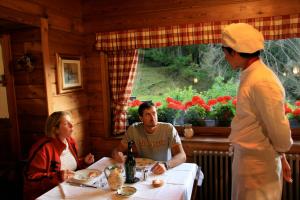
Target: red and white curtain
122, 69
122, 46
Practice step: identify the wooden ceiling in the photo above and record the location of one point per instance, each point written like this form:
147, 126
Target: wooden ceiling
110, 15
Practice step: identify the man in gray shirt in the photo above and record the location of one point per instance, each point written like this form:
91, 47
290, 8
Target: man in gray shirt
155, 140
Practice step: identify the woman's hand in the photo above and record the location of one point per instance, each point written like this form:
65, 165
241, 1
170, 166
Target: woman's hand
286, 169
89, 159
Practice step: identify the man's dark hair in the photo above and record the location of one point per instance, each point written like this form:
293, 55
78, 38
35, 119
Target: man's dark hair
144, 106
244, 55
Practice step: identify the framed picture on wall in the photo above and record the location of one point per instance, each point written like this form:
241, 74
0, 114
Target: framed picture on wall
69, 74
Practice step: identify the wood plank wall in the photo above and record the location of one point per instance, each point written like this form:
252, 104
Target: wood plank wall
114, 15
64, 36
29, 86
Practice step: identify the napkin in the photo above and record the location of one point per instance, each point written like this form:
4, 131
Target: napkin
166, 192
68, 191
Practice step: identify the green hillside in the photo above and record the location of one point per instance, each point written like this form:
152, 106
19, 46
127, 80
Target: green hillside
156, 82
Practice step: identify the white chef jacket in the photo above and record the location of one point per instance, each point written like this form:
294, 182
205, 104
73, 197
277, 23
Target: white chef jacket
259, 131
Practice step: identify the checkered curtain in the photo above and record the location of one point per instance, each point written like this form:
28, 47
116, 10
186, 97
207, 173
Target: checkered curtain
277, 27
123, 60
122, 69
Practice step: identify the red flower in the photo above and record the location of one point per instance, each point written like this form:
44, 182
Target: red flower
227, 98
220, 99
169, 99
206, 107
212, 102
157, 104
296, 112
197, 100
234, 101
176, 106
134, 103
188, 104
288, 110
297, 103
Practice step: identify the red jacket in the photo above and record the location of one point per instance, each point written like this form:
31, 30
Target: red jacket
43, 172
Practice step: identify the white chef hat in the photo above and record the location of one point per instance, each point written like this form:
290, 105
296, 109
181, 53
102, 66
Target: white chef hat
242, 38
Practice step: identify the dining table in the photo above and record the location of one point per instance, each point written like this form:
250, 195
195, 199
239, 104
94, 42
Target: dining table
177, 184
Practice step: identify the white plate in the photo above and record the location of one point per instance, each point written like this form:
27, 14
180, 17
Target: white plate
126, 191
85, 175
144, 162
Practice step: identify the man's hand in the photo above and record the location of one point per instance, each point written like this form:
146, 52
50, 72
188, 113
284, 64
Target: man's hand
286, 169
119, 157
158, 168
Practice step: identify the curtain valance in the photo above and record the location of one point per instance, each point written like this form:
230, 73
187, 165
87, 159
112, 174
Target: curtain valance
277, 27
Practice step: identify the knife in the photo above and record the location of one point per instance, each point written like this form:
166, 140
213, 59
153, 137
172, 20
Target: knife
82, 185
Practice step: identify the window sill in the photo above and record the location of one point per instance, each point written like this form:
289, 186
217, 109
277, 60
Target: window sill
223, 132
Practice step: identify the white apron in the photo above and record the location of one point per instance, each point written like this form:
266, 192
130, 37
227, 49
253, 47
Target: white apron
257, 175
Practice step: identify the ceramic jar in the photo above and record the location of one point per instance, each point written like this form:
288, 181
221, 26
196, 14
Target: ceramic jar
188, 131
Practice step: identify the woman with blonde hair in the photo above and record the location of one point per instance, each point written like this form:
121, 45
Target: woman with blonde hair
53, 159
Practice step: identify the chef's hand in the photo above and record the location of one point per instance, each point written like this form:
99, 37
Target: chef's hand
286, 169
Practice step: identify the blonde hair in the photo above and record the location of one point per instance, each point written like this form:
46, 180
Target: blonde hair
53, 121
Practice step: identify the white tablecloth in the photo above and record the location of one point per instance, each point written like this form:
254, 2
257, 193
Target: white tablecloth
178, 185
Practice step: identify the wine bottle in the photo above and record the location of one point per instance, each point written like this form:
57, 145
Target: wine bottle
130, 164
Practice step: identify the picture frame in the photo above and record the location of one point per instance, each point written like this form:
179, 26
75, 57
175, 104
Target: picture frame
69, 73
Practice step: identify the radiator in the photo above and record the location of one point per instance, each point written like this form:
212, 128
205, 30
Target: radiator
216, 167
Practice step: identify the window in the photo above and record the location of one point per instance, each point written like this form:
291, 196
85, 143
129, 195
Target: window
186, 71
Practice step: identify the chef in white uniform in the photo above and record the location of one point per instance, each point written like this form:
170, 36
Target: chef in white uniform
260, 131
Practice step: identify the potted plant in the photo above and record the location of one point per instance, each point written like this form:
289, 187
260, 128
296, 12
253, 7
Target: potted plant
224, 113
132, 115
293, 114
165, 114
210, 119
195, 115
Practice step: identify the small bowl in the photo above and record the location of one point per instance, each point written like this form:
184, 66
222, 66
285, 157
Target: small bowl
126, 191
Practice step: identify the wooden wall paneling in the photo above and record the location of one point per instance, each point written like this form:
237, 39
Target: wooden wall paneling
103, 146
37, 107
96, 129
106, 105
63, 37
80, 115
46, 61
161, 13
70, 101
30, 91
16, 16
79, 134
32, 124
64, 23
33, 78
63, 15
23, 6
69, 8
96, 99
